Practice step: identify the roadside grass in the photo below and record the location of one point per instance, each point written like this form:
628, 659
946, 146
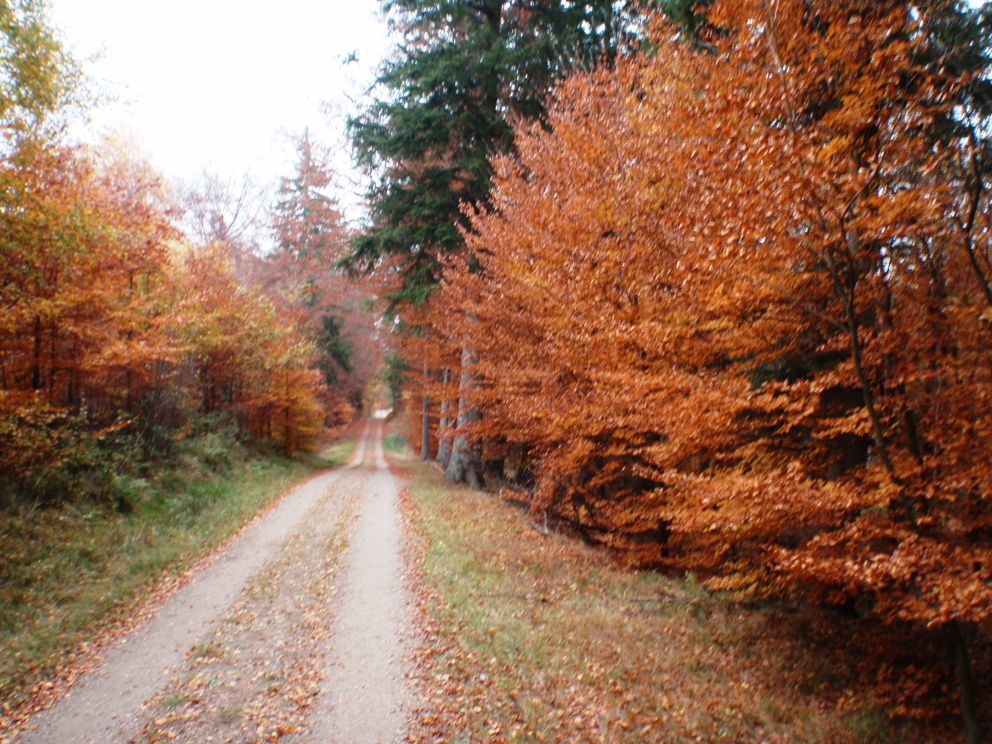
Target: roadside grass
332, 455
544, 639
394, 443
71, 571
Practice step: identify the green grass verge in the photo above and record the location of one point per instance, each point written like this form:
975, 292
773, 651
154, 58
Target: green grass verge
394, 443
333, 455
68, 571
541, 638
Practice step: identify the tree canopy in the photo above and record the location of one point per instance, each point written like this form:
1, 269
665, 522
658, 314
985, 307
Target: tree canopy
38, 77
730, 308
463, 74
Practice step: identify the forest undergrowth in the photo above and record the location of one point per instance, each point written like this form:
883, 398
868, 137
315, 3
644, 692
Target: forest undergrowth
77, 571
540, 637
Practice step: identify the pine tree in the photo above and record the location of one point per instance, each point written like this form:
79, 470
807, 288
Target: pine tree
310, 232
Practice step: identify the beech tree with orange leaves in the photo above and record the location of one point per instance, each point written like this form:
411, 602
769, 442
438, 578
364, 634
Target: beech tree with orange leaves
82, 304
734, 307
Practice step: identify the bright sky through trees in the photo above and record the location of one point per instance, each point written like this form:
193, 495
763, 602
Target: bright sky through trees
216, 83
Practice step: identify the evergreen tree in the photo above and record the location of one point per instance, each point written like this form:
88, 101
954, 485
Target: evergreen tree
311, 235
464, 72
308, 224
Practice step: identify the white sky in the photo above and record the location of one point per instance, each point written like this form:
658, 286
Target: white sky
218, 84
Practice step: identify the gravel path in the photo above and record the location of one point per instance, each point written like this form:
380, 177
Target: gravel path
257, 645
364, 699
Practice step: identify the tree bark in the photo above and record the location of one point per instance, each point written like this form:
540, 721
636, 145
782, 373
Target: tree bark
845, 293
968, 227
969, 712
465, 465
443, 441
36, 372
425, 443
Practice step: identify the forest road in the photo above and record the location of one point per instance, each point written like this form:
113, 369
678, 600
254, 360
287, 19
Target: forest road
285, 598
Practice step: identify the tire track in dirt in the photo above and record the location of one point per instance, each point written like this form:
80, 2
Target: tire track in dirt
365, 698
107, 705
255, 676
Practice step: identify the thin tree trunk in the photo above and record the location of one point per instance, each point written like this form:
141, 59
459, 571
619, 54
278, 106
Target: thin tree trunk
286, 444
465, 465
968, 227
443, 441
52, 365
36, 372
969, 712
845, 294
425, 431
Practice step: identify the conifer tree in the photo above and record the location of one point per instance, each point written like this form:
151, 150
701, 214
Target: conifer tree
464, 72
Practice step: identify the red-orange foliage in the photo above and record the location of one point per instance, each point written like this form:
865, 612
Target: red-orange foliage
246, 358
80, 323
728, 306
302, 279
106, 322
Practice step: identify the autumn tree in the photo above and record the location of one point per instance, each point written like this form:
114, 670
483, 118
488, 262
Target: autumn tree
302, 272
249, 360
229, 211
116, 330
110, 326
40, 79
733, 306
82, 302
464, 73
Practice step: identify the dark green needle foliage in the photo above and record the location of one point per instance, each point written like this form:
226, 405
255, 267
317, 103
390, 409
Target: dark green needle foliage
335, 351
463, 72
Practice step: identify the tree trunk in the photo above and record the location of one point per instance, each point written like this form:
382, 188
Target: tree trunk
52, 366
36, 372
443, 442
465, 465
286, 442
425, 431
969, 713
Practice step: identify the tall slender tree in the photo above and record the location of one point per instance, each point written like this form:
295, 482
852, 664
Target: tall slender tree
311, 236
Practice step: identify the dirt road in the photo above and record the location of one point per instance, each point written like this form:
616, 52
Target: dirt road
286, 632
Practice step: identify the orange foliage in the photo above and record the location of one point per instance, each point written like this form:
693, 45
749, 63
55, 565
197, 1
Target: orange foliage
80, 313
727, 308
107, 324
301, 279
246, 357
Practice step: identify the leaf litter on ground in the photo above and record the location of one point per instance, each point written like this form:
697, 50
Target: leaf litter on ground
541, 638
